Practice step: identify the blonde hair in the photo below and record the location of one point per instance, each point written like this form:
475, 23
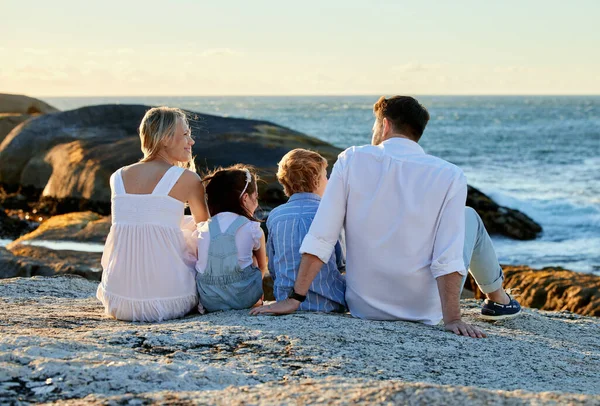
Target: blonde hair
299, 171
158, 124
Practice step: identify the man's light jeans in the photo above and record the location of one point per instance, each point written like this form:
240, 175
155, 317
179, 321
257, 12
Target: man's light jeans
479, 255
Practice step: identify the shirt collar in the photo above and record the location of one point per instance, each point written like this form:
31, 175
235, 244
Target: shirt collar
304, 196
403, 143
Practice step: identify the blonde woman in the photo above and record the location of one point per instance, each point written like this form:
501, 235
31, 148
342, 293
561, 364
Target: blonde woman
149, 255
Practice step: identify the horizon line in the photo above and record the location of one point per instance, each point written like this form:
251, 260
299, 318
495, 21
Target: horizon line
333, 95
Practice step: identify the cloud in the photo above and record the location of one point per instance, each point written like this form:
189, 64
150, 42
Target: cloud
110, 52
33, 51
220, 52
411, 67
513, 69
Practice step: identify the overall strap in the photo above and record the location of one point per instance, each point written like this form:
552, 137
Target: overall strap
166, 183
213, 228
116, 182
237, 223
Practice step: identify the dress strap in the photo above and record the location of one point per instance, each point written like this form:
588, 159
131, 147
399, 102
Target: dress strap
237, 223
116, 182
166, 183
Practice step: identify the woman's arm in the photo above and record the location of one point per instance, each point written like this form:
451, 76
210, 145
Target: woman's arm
196, 198
261, 254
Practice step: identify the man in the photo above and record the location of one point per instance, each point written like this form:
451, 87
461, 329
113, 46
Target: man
409, 237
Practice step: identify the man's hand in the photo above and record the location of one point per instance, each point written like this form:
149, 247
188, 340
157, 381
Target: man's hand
459, 327
285, 307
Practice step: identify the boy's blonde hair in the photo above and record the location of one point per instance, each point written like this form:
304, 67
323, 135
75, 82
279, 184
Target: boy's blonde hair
300, 170
158, 124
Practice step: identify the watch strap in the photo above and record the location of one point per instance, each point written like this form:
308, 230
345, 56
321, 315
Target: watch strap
296, 296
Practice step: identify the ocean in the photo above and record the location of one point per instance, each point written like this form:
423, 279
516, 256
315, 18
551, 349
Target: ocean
537, 154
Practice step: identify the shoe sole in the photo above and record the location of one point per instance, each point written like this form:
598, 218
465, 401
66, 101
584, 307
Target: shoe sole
503, 317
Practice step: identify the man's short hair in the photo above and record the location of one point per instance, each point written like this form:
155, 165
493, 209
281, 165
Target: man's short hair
299, 171
406, 115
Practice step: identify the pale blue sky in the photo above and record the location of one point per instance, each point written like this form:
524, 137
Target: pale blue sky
310, 47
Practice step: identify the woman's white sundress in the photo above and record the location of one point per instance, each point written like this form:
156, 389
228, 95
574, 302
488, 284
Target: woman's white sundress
149, 255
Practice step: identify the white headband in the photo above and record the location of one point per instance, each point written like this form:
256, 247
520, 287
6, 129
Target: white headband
248, 180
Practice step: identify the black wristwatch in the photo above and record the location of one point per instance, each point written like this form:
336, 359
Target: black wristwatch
296, 296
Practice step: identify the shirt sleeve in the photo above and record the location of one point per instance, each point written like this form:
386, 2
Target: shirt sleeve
450, 234
271, 254
327, 224
256, 235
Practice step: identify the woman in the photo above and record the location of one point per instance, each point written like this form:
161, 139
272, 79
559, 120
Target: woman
149, 255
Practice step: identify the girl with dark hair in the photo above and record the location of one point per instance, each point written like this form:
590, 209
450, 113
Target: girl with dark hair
231, 245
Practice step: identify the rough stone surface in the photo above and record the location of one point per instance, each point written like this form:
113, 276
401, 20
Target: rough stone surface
79, 226
343, 391
8, 121
73, 153
19, 104
13, 227
28, 260
55, 345
502, 220
16, 109
552, 289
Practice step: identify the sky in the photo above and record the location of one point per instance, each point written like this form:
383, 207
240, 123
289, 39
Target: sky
284, 47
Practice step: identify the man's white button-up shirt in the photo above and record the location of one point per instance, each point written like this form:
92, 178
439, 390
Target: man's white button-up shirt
403, 213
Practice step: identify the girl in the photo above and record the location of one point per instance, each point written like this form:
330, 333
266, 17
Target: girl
148, 265
231, 245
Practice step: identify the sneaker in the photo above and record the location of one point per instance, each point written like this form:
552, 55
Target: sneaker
496, 311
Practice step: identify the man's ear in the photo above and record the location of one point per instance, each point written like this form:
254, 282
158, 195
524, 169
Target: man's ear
387, 127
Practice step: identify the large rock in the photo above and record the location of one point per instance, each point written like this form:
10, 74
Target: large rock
20, 104
12, 227
73, 153
8, 121
80, 227
57, 346
502, 220
28, 260
16, 109
554, 289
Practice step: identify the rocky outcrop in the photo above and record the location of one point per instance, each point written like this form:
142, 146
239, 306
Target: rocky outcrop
72, 154
81, 227
8, 121
342, 391
555, 289
16, 109
13, 227
502, 220
57, 346
20, 104
29, 260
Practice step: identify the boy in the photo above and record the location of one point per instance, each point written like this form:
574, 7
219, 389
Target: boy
303, 175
